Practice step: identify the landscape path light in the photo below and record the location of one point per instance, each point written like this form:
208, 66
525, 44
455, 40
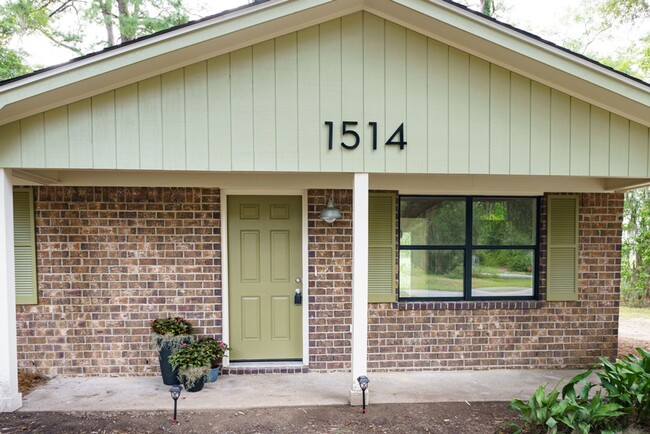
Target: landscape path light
363, 384
176, 392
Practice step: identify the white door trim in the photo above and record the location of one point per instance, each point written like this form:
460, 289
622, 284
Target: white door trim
225, 316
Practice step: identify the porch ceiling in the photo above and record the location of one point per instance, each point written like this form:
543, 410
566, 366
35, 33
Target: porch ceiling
288, 182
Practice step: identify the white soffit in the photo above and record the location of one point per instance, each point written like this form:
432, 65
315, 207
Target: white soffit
515, 185
437, 19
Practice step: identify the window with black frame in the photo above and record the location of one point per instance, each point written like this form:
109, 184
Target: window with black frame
464, 248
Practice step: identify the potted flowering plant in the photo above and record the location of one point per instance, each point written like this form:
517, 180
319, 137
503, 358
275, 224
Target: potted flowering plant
169, 334
192, 361
218, 349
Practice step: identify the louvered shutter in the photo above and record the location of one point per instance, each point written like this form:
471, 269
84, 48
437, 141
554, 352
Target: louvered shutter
24, 247
562, 249
381, 247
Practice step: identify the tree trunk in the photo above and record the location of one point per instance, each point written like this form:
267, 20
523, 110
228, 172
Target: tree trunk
487, 7
123, 12
105, 7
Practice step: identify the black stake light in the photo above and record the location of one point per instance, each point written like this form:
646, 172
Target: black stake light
176, 392
363, 384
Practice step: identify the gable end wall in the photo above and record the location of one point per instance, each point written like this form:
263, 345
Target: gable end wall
264, 108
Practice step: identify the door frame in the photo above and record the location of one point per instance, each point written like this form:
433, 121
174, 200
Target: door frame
225, 314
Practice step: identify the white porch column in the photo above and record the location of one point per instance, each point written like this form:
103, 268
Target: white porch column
359, 284
10, 399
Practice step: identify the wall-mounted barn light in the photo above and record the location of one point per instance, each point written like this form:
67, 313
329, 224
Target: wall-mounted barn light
330, 214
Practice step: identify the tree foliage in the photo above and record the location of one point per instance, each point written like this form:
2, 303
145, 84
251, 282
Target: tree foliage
65, 24
12, 64
599, 22
635, 267
125, 20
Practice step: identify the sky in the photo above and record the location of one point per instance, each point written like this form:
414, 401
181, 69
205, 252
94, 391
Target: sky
539, 17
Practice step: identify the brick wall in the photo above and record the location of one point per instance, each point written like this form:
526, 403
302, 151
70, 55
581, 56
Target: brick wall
112, 259
523, 334
330, 282
109, 261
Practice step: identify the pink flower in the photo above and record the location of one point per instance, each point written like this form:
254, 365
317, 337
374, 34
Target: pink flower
222, 344
184, 345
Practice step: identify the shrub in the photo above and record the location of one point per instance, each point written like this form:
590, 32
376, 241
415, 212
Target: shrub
626, 403
217, 348
175, 326
170, 333
540, 411
192, 361
628, 384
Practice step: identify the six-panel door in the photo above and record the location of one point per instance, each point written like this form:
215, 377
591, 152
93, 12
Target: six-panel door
264, 257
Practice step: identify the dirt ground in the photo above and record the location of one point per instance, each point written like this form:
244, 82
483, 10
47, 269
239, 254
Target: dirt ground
456, 418
633, 333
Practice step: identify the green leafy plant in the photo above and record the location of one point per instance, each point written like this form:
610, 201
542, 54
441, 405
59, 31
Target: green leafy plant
540, 412
625, 403
217, 348
627, 383
192, 362
584, 414
170, 333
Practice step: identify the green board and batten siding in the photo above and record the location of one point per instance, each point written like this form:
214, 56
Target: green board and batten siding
263, 108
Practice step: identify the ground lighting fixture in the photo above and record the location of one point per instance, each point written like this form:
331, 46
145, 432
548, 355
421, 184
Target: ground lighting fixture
363, 384
176, 392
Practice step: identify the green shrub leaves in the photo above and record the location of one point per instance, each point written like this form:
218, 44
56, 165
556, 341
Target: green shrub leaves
623, 400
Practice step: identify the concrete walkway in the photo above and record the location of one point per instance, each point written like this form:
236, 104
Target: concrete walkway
280, 390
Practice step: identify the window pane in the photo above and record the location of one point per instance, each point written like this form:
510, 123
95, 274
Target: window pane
431, 273
502, 273
431, 221
502, 222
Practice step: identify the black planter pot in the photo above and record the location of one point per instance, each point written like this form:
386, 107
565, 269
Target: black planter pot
169, 375
198, 385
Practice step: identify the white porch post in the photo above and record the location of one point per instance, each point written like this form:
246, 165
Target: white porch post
10, 399
359, 284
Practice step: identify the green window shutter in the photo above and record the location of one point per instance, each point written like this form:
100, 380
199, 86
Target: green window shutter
25, 246
381, 247
562, 248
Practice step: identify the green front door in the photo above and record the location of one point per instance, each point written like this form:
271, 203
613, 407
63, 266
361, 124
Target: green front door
264, 268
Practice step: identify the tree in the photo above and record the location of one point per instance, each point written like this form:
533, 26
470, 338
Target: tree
487, 7
635, 266
65, 23
131, 19
600, 21
12, 64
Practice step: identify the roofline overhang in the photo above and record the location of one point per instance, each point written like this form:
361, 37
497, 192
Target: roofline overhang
438, 19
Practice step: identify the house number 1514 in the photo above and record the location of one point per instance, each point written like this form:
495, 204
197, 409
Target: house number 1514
397, 138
